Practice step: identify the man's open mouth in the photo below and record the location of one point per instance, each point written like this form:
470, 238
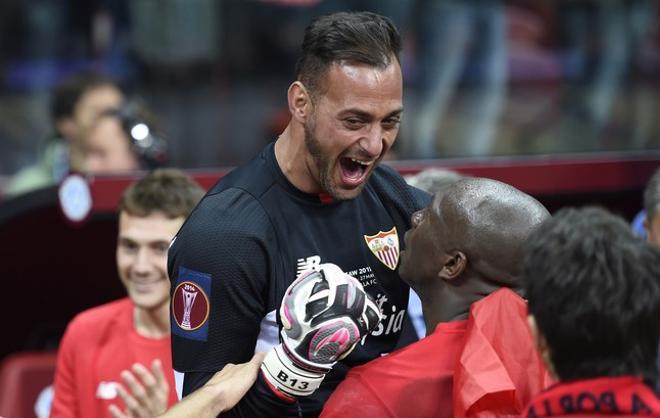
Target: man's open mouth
353, 171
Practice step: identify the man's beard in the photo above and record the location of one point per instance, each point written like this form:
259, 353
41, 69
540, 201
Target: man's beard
323, 163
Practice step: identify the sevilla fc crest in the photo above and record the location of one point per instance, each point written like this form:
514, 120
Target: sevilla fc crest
385, 246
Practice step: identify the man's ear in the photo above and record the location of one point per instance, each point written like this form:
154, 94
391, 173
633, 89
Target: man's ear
300, 103
454, 266
541, 344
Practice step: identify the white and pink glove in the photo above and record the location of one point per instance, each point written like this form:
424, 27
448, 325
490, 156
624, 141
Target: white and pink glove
324, 314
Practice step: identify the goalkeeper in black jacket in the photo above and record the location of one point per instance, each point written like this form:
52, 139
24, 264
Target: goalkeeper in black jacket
317, 195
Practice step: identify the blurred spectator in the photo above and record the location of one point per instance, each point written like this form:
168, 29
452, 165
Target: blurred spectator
434, 180
76, 102
594, 302
652, 209
602, 41
459, 41
177, 47
123, 139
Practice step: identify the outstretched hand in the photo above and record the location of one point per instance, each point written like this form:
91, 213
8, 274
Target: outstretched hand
145, 393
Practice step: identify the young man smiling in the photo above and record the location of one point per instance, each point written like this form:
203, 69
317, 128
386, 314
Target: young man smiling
128, 340
317, 195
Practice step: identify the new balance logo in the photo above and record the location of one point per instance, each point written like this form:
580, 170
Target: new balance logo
309, 263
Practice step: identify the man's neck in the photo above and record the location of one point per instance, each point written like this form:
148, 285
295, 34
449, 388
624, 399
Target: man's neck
292, 158
442, 302
443, 305
154, 323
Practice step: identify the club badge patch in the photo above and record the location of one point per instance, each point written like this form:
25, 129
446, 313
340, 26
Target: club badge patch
190, 304
385, 246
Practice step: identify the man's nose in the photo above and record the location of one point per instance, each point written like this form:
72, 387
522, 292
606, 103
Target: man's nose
372, 142
142, 262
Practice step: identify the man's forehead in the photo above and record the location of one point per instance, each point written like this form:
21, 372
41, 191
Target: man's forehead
342, 81
153, 226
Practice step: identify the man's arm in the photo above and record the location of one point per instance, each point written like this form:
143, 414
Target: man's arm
220, 262
221, 393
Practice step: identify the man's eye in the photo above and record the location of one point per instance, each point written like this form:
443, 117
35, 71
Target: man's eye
128, 246
161, 248
391, 123
353, 123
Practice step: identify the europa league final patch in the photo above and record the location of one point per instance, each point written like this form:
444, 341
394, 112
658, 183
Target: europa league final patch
190, 304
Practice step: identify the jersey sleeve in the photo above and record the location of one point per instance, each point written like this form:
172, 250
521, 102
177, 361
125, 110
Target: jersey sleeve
354, 398
219, 268
64, 400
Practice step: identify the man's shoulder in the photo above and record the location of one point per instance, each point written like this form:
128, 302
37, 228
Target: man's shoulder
384, 172
98, 317
253, 178
225, 214
391, 187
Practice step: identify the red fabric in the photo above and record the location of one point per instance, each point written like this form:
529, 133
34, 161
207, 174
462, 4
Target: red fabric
98, 344
486, 366
613, 396
499, 370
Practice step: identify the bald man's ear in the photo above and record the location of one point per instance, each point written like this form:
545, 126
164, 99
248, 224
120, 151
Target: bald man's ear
300, 103
454, 266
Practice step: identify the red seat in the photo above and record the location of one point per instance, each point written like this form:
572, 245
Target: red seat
22, 377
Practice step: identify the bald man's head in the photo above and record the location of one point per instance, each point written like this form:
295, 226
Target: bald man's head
475, 230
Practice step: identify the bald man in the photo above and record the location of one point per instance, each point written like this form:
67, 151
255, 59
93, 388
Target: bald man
463, 257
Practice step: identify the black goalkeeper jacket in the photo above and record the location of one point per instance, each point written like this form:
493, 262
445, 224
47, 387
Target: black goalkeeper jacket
248, 239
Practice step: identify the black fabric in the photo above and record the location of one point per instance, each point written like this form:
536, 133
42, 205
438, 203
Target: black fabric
252, 232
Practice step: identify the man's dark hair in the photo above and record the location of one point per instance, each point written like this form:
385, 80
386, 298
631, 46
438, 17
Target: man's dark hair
350, 37
594, 290
652, 195
67, 93
168, 191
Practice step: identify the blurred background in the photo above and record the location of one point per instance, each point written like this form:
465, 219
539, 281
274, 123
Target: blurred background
482, 77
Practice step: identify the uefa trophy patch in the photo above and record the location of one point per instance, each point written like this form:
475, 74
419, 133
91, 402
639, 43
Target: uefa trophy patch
190, 304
